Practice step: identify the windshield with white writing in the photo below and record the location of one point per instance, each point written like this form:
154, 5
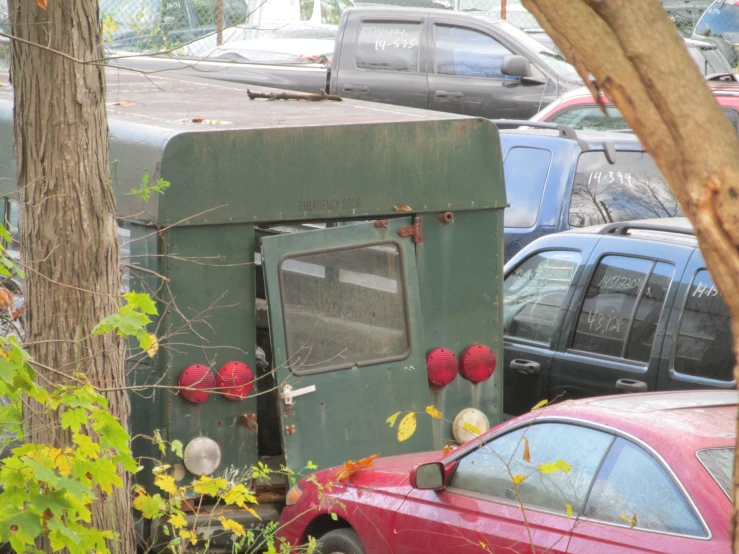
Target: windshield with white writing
631, 188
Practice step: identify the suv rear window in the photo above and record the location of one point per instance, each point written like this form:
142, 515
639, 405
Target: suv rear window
704, 342
526, 171
720, 18
632, 188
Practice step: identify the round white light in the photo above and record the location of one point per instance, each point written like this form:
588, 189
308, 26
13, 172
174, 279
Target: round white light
467, 422
202, 456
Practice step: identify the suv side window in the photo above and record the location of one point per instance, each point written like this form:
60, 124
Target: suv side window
526, 171
633, 487
622, 306
467, 53
704, 340
487, 470
533, 294
388, 46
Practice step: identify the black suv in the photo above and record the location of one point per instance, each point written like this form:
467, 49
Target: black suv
622, 307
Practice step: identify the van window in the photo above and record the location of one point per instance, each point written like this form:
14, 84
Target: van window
526, 171
704, 341
533, 294
344, 308
622, 306
467, 53
631, 188
388, 46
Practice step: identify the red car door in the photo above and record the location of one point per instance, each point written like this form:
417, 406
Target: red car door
556, 486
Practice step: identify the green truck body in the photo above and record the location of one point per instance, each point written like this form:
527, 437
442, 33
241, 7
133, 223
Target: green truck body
346, 239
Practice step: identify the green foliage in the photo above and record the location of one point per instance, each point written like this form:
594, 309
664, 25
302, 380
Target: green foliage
143, 192
131, 319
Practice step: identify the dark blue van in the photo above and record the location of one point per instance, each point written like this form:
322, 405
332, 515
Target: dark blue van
558, 179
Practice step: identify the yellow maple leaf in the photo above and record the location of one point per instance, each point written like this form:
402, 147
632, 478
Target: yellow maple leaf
472, 429
61, 461
540, 404
391, 420
177, 521
518, 479
483, 545
569, 510
407, 427
166, 483
154, 348
189, 536
433, 412
233, 526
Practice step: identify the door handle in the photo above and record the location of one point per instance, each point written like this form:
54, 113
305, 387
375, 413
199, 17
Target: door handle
355, 88
526, 367
629, 385
288, 393
447, 94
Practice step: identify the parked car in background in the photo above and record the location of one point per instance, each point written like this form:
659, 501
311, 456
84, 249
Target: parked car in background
594, 475
578, 109
433, 59
685, 13
555, 180
719, 24
625, 307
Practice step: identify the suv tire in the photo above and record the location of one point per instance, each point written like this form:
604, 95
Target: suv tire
340, 541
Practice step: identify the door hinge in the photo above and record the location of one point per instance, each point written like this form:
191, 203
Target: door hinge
288, 393
415, 230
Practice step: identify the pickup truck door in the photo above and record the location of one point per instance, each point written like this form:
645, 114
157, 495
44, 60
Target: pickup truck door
464, 74
612, 336
382, 59
346, 326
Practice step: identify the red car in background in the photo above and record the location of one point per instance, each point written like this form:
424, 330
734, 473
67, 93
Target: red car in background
631, 473
577, 109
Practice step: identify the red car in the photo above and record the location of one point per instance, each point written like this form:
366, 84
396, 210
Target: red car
631, 473
578, 109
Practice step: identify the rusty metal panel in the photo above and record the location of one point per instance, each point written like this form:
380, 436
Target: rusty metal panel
460, 274
212, 283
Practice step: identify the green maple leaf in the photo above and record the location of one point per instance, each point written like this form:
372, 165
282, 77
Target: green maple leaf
150, 506
142, 301
74, 419
26, 524
176, 447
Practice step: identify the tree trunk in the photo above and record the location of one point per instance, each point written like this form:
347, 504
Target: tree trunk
636, 56
67, 216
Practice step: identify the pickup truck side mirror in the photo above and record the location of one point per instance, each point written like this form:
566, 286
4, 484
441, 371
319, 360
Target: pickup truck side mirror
515, 66
428, 476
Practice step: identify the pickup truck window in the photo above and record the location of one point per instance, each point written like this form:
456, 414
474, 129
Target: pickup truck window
533, 294
388, 46
704, 342
526, 171
344, 308
631, 188
467, 53
613, 308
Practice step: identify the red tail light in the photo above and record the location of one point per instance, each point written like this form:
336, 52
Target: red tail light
196, 382
235, 379
442, 366
478, 363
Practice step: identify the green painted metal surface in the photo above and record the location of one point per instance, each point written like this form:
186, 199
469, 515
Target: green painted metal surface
344, 418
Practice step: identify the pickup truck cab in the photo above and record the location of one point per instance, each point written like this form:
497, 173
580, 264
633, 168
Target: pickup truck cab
558, 179
623, 307
432, 59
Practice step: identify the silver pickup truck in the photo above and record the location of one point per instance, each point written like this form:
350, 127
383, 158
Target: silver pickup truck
434, 59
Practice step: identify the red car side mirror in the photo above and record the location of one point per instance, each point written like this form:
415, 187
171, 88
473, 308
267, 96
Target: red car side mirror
428, 476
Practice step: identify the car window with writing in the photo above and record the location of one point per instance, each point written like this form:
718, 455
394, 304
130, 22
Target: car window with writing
489, 470
704, 342
388, 46
632, 489
610, 305
344, 308
533, 294
631, 188
467, 53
